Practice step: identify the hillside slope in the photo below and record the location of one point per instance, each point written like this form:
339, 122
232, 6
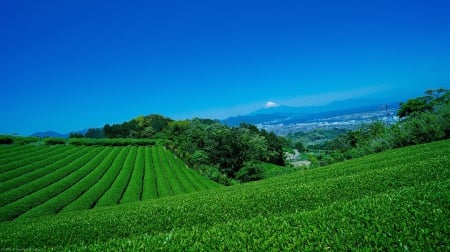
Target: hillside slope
393, 200
43, 180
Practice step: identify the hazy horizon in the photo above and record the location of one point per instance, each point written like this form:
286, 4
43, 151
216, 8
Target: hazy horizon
71, 65
244, 110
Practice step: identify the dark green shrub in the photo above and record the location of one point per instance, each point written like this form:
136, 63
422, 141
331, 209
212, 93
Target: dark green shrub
26, 140
250, 172
54, 141
75, 135
6, 139
213, 173
111, 142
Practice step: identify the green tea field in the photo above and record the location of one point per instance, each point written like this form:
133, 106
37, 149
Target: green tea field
396, 200
40, 180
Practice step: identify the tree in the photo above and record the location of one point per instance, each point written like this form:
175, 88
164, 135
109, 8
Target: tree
94, 133
253, 146
299, 146
199, 157
433, 98
250, 172
414, 106
275, 153
75, 135
209, 143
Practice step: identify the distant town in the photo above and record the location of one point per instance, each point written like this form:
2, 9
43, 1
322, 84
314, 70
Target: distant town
344, 121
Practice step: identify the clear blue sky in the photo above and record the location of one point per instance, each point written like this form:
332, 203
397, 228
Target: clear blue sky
71, 65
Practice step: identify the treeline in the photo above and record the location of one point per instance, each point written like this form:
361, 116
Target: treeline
141, 127
111, 142
221, 152
9, 139
423, 119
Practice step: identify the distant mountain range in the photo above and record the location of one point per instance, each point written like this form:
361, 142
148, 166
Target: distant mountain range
56, 134
287, 115
282, 119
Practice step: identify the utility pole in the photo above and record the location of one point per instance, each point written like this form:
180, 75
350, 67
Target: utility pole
387, 114
385, 106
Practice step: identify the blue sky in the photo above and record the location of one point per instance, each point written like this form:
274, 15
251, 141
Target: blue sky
70, 65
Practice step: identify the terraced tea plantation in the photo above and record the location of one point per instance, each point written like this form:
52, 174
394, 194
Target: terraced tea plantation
41, 180
398, 200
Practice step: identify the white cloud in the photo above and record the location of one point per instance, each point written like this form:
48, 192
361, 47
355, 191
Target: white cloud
271, 104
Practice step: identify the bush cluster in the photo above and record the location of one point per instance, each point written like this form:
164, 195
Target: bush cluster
6, 139
111, 142
54, 141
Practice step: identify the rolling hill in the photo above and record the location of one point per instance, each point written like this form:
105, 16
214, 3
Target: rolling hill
51, 133
395, 200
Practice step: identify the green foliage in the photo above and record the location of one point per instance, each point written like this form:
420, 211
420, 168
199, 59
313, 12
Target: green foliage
273, 170
315, 137
427, 103
111, 142
423, 128
250, 172
75, 135
213, 173
54, 141
26, 140
9, 139
299, 146
206, 143
313, 159
414, 106
140, 127
199, 157
395, 200
444, 118
124, 130
4, 139
94, 133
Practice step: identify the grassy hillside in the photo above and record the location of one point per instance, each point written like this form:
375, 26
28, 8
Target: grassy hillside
40, 180
396, 200
272, 170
